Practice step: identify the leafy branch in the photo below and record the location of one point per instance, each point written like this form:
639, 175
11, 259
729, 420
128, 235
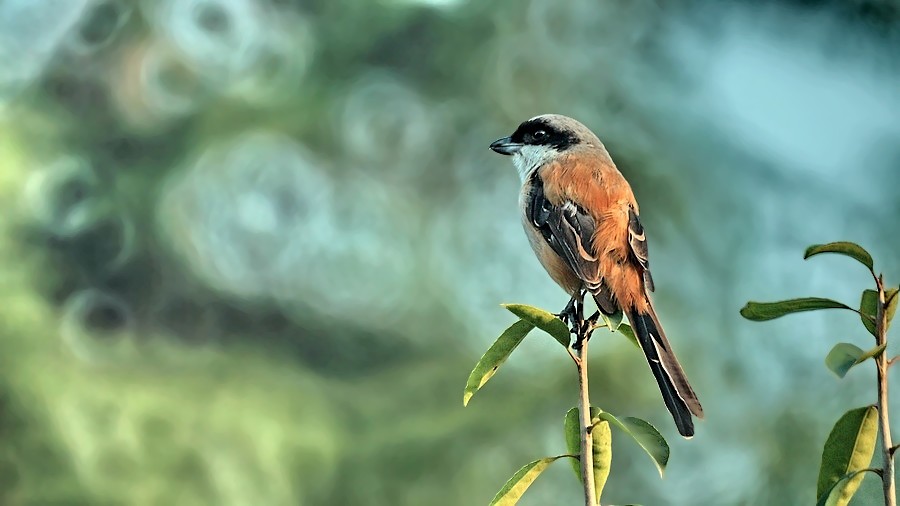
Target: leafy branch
587, 429
849, 448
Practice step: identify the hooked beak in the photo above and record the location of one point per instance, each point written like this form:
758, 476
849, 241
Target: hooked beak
506, 146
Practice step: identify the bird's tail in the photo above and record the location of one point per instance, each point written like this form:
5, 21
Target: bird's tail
677, 393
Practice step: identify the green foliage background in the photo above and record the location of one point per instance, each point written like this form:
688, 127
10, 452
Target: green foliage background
250, 249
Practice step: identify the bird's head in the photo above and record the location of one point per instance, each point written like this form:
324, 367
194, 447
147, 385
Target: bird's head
541, 139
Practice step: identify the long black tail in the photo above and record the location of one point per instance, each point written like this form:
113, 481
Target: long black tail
677, 393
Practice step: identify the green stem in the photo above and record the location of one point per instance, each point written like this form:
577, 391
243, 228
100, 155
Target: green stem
584, 411
881, 362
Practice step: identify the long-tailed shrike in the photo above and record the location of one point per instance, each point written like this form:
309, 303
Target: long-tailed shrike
581, 219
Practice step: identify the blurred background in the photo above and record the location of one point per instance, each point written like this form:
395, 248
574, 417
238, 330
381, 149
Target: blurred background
251, 249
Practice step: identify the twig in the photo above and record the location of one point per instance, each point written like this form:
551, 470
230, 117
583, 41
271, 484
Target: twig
583, 329
881, 362
587, 443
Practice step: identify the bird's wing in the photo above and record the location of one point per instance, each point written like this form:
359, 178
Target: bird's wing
637, 240
569, 230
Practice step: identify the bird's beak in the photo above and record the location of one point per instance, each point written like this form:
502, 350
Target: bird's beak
506, 146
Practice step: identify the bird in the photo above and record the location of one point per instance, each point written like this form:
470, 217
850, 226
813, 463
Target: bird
583, 223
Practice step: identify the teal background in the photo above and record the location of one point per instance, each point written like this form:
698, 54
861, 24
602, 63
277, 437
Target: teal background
251, 249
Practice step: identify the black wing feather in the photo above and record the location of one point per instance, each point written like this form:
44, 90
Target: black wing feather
638, 242
569, 230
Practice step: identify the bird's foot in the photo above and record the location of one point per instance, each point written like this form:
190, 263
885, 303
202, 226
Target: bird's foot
584, 330
570, 314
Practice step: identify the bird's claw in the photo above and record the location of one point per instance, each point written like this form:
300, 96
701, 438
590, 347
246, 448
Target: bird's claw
569, 314
584, 329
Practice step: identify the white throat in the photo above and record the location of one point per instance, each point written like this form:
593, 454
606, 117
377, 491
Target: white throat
530, 157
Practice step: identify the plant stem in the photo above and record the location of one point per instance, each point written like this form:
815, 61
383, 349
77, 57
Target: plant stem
881, 362
584, 411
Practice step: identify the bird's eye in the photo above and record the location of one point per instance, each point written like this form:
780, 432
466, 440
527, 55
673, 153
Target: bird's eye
540, 134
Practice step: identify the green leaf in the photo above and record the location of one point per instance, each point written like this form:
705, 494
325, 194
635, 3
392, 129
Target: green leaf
763, 311
573, 438
834, 495
845, 355
845, 248
868, 308
848, 449
495, 356
614, 320
645, 435
891, 295
601, 447
548, 322
512, 491
628, 332
874, 352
